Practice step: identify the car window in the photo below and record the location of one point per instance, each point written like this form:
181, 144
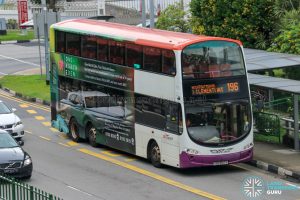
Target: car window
4, 109
75, 99
6, 141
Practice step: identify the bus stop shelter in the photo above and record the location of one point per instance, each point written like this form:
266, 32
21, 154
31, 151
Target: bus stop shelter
257, 60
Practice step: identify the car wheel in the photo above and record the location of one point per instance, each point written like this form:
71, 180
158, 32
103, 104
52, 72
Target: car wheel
74, 130
155, 155
91, 130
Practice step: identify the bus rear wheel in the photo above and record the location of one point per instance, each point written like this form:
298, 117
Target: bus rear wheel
74, 130
91, 130
155, 155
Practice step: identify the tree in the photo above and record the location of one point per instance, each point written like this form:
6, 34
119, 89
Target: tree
173, 19
251, 21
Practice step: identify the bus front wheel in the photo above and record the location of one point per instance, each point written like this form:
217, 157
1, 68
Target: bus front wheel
74, 130
155, 155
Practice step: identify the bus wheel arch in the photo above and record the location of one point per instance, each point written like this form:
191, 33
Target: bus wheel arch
74, 130
153, 153
91, 133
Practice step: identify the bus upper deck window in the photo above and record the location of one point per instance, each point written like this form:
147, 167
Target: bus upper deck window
134, 55
168, 65
73, 44
60, 45
102, 49
116, 52
89, 47
152, 59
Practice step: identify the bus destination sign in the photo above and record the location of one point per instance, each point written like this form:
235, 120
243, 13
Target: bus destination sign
215, 88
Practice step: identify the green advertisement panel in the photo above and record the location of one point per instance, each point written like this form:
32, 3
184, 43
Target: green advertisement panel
96, 72
92, 95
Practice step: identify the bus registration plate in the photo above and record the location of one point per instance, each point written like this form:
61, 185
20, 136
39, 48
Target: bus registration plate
221, 163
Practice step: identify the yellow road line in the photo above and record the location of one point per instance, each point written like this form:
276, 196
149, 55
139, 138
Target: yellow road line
130, 159
31, 111
45, 138
109, 153
46, 123
65, 145
25, 102
63, 136
152, 175
24, 105
40, 118
72, 144
54, 130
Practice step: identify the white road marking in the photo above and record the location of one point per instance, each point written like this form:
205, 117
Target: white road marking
293, 185
21, 61
73, 188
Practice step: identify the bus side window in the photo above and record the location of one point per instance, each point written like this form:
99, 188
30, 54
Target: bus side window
102, 45
134, 56
73, 44
173, 117
168, 59
116, 52
152, 59
89, 47
60, 45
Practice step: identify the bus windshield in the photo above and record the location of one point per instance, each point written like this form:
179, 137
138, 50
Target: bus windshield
216, 92
216, 123
212, 59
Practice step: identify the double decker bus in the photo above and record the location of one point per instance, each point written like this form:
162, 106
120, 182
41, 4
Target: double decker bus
177, 99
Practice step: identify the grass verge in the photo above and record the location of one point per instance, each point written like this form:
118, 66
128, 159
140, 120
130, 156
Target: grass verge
28, 85
16, 35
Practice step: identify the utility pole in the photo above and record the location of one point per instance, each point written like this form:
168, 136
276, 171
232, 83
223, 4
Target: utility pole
143, 13
98, 7
151, 5
46, 39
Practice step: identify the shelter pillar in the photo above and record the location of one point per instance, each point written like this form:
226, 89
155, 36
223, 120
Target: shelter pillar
271, 97
296, 123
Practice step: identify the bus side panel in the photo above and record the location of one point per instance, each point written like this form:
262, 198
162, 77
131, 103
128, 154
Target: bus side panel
154, 85
165, 141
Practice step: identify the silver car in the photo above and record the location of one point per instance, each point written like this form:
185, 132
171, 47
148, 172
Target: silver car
10, 122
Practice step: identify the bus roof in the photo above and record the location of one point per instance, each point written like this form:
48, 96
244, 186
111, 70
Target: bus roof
139, 35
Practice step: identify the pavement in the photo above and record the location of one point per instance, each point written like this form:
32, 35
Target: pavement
274, 158
277, 158
20, 41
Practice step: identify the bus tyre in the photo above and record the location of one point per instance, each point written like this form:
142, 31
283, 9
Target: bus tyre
74, 130
91, 130
155, 155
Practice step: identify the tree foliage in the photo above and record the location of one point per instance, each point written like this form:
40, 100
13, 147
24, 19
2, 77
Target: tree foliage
251, 21
173, 19
288, 41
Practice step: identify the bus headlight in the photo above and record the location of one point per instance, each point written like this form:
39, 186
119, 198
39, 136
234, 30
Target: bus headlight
248, 146
192, 151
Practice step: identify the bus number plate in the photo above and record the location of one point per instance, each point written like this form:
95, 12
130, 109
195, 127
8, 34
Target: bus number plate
221, 163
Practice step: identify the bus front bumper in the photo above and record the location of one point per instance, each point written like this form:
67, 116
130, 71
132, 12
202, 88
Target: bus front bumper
189, 161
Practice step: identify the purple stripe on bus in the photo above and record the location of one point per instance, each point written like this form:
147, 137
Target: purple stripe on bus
188, 160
